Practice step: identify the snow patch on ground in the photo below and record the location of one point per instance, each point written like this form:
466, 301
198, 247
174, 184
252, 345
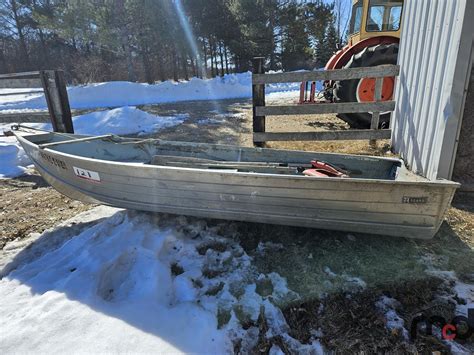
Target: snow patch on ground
171, 284
464, 292
393, 321
123, 120
210, 121
13, 255
462, 295
343, 281
13, 158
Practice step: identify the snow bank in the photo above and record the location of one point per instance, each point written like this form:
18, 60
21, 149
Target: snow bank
123, 93
136, 282
12, 157
123, 120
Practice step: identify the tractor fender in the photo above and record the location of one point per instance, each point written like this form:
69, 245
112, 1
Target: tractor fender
342, 57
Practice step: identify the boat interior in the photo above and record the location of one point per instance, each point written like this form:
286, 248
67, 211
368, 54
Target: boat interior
222, 157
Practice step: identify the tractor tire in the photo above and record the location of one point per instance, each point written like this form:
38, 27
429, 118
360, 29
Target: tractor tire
347, 90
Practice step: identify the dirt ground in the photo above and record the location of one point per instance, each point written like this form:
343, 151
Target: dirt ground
30, 205
230, 122
463, 171
307, 258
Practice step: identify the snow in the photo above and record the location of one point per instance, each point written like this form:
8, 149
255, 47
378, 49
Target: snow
122, 120
13, 158
388, 306
136, 282
461, 295
123, 93
462, 290
18, 95
350, 283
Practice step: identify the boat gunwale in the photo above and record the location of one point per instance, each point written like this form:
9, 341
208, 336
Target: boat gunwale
440, 182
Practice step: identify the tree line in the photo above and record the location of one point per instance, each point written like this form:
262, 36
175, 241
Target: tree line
153, 40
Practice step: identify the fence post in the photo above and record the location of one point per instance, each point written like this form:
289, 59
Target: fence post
258, 98
55, 92
374, 124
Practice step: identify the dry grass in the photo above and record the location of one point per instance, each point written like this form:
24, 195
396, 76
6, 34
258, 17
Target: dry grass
351, 323
322, 123
461, 217
236, 127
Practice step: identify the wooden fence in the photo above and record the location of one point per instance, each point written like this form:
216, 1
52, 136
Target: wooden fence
260, 111
49, 82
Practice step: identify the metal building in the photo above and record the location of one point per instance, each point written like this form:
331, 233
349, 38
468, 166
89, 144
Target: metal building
436, 51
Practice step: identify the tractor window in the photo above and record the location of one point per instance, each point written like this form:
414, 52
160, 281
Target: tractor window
356, 21
395, 18
375, 19
384, 15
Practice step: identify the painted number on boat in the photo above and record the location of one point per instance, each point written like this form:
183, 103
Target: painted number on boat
415, 200
53, 161
87, 174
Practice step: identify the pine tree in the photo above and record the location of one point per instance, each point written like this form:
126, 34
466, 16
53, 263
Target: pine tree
296, 50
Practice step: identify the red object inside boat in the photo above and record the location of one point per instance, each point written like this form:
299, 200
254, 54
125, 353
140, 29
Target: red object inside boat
323, 169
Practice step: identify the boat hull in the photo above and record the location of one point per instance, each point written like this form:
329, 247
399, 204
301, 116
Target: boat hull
410, 209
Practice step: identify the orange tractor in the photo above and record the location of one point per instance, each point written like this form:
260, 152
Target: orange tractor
374, 37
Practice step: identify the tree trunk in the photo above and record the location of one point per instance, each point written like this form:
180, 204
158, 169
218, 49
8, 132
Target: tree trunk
211, 52
272, 40
221, 56
147, 67
21, 36
193, 66
161, 72
236, 63
214, 53
184, 64
204, 75
3, 61
226, 60
44, 47
124, 36
174, 64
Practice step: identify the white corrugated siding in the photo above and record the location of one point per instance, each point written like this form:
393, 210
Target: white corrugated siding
435, 60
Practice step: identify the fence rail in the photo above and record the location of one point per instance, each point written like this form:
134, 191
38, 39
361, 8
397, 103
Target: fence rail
20, 83
337, 74
260, 110
17, 93
360, 134
25, 117
54, 88
20, 75
348, 107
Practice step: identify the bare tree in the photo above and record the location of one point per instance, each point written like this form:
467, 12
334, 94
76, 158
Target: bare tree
342, 12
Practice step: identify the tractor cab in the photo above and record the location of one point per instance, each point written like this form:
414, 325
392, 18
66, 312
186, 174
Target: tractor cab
373, 40
375, 18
